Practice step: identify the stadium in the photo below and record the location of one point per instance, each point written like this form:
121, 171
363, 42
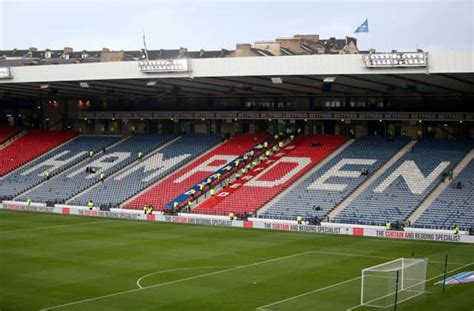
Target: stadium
298, 173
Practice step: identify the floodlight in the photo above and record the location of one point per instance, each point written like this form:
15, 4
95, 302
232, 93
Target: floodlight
5, 73
329, 79
84, 84
151, 83
277, 80
44, 86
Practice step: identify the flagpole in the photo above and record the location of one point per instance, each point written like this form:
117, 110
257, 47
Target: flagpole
144, 45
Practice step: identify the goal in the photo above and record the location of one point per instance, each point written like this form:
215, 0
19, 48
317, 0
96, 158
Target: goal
398, 280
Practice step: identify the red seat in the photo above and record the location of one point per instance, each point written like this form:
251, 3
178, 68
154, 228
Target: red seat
249, 198
30, 146
169, 188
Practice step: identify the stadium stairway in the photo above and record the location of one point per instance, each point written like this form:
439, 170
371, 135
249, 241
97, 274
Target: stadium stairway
130, 180
330, 183
271, 176
448, 206
217, 179
54, 161
297, 183
399, 190
372, 178
76, 179
12, 139
178, 182
30, 146
7, 132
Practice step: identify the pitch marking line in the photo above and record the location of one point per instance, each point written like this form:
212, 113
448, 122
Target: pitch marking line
54, 227
205, 275
177, 281
429, 280
262, 308
177, 269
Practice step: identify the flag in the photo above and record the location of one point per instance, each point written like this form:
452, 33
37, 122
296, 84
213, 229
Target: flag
364, 27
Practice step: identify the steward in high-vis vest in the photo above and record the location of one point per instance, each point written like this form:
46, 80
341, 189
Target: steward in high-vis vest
231, 216
140, 155
145, 209
388, 225
48, 174
91, 154
149, 209
213, 192
29, 201
175, 205
90, 205
299, 220
102, 177
456, 230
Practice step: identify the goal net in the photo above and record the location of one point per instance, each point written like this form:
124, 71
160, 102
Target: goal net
380, 283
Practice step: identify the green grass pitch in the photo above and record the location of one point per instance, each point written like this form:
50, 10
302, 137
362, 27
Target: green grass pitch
55, 262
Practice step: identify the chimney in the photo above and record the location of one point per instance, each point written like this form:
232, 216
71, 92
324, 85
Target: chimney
105, 50
33, 49
182, 52
67, 50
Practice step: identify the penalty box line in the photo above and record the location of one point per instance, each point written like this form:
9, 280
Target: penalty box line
263, 308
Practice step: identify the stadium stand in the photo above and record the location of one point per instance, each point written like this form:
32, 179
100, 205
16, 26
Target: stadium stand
454, 206
304, 199
400, 189
7, 131
30, 146
272, 176
77, 179
55, 162
137, 177
179, 182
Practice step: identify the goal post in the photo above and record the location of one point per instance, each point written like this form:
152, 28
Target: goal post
403, 277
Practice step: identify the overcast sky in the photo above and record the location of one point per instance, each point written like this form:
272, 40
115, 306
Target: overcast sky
403, 25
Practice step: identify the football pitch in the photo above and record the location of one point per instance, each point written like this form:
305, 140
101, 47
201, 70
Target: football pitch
56, 262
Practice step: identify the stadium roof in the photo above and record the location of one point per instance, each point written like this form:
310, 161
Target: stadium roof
448, 74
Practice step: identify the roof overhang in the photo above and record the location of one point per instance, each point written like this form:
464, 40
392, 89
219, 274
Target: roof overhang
448, 74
